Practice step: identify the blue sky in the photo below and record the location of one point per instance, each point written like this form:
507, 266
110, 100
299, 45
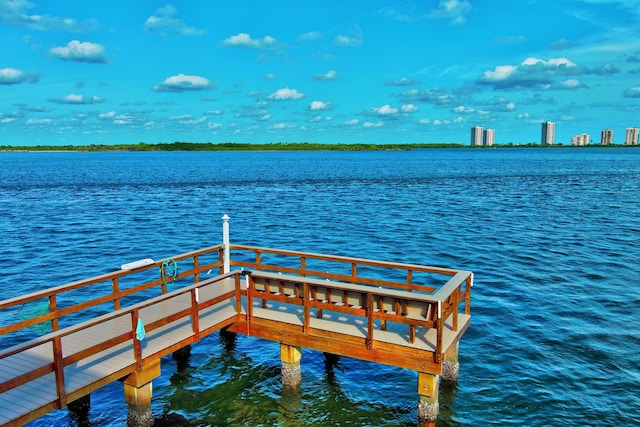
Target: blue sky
107, 72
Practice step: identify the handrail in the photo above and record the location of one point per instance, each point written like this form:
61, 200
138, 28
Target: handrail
354, 263
55, 338
115, 296
347, 259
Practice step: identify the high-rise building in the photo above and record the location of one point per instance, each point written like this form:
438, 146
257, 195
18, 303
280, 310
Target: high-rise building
606, 137
548, 133
489, 137
632, 136
476, 135
580, 140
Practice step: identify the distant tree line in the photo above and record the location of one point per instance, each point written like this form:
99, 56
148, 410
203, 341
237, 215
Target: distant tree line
226, 146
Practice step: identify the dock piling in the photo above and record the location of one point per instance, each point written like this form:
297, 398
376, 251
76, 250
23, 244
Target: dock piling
138, 390
428, 406
79, 410
181, 356
291, 373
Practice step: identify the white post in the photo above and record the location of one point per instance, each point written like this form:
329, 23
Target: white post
225, 242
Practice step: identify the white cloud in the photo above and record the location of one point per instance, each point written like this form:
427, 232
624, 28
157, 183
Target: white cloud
408, 108
402, 81
11, 76
79, 51
78, 99
552, 62
632, 92
109, 115
536, 73
16, 13
281, 126
311, 35
461, 109
372, 125
385, 110
163, 22
245, 40
318, 105
285, 94
182, 82
39, 121
454, 10
351, 122
351, 40
501, 72
329, 76
572, 83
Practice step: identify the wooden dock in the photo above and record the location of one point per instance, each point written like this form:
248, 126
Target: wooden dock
403, 315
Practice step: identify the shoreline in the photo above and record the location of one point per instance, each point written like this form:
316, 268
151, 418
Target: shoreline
193, 146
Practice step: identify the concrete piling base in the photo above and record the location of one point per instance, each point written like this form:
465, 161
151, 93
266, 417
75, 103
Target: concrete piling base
428, 412
450, 371
291, 372
428, 407
140, 416
450, 365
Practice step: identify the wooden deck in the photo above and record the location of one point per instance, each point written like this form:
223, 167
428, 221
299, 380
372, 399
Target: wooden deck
406, 325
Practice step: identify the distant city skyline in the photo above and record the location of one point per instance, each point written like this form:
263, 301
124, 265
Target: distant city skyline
486, 137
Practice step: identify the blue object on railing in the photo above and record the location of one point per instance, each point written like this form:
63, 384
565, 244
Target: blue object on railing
140, 330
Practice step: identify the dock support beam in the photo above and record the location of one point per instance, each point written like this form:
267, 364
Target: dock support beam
450, 365
291, 373
428, 407
138, 391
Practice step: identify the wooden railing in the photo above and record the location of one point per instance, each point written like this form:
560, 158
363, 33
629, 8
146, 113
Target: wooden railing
105, 288
415, 309
338, 268
54, 339
300, 263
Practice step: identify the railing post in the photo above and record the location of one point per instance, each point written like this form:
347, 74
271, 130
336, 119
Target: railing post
116, 289
53, 308
58, 369
225, 242
467, 300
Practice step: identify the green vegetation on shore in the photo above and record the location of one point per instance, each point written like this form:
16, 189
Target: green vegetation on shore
227, 146
240, 146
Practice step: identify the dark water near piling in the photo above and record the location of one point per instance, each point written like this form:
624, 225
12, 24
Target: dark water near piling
553, 237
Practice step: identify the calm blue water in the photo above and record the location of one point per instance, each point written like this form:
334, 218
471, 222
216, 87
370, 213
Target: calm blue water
553, 236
